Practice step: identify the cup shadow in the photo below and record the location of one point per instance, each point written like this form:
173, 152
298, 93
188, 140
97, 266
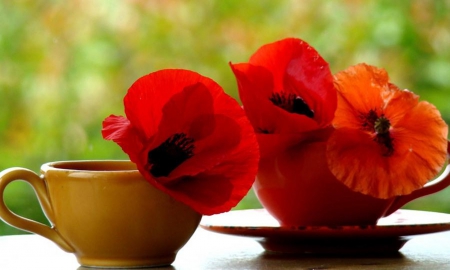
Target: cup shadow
332, 261
167, 267
374, 246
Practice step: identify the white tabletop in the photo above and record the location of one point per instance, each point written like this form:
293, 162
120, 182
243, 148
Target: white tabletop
209, 250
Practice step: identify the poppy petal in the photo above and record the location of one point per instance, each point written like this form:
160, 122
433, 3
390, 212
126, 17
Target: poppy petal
373, 174
272, 144
119, 130
181, 110
286, 88
213, 149
276, 57
186, 120
309, 76
416, 135
232, 177
208, 151
300, 68
147, 96
399, 103
254, 84
360, 89
205, 193
255, 87
426, 150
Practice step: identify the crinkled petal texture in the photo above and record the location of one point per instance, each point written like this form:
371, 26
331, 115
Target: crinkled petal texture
287, 91
390, 161
188, 138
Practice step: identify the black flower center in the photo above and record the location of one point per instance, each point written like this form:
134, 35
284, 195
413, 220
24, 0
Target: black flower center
291, 103
170, 154
368, 120
380, 125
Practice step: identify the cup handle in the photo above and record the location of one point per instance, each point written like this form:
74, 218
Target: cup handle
434, 186
39, 186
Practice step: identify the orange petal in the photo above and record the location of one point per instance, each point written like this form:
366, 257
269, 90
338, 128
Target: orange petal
355, 159
417, 132
359, 89
421, 138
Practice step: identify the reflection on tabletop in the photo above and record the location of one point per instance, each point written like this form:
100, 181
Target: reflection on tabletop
210, 250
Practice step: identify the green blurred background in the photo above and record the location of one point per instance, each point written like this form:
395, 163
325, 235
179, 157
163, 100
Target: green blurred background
66, 65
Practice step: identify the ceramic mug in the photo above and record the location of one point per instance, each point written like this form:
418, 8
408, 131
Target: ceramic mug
105, 213
296, 193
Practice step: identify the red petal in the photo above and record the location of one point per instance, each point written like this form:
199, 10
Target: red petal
226, 156
290, 66
255, 87
119, 130
190, 112
276, 57
272, 144
309, 77
294, 62
210, 150
240, 167
205, 193
224, 186
182, 110
148, 95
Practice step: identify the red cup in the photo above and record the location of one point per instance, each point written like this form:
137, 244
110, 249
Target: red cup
297, 189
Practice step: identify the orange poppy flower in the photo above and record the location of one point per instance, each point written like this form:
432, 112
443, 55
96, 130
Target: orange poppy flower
287, 92
187, 138
386, 142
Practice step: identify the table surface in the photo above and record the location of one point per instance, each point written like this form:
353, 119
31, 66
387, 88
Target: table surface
209, 250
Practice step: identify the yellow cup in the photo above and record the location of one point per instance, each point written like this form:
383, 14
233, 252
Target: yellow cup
105, 213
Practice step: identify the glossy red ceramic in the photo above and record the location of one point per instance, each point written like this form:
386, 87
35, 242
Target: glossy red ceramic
297, 188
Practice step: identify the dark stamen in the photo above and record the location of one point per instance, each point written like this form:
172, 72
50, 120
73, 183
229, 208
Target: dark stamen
385, 140
383, 137
263, 130
380, 126
368, 120
170, 154
291, 103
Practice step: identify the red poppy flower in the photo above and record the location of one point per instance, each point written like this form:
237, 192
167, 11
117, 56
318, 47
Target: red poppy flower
386, 142
287, 91
188, 138
287, 79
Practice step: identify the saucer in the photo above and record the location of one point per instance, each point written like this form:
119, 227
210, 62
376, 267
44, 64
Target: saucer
389, 235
